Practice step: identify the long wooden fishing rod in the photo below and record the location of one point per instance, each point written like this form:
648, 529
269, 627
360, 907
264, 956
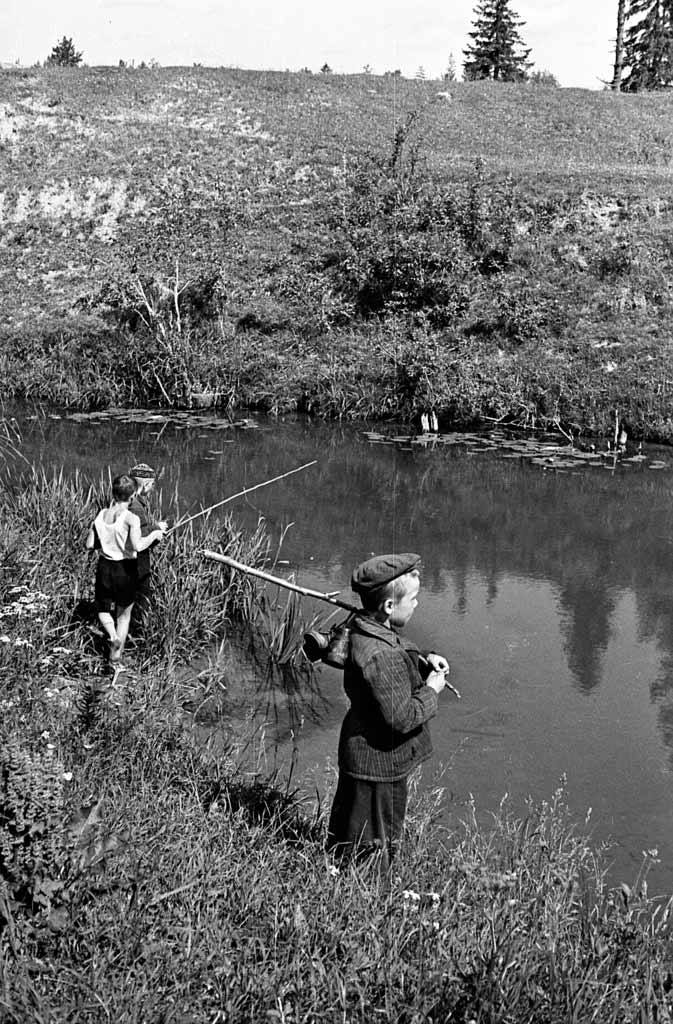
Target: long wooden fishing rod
239, 494
304, 591
215, 556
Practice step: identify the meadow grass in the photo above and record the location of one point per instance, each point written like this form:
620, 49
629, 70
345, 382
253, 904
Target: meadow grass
346, 245
146, 876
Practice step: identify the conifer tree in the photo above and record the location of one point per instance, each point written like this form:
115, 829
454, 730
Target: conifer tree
64, 54
497, 50
648, 45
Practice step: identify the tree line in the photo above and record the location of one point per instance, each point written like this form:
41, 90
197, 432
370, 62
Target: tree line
643, 47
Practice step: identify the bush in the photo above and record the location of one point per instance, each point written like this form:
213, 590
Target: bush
407, 244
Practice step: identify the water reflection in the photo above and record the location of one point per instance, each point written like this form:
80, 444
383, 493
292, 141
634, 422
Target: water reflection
550, 591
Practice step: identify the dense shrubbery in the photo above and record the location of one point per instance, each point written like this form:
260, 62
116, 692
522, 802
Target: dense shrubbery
300, 274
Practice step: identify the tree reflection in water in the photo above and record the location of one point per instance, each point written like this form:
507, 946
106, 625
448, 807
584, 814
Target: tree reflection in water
595, 545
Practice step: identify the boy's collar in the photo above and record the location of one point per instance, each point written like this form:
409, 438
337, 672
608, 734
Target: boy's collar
370, 626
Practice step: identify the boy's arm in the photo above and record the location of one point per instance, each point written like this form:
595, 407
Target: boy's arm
387, 674
147, 522
92, 538
138, 542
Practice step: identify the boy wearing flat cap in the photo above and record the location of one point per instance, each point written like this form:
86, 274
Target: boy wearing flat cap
385, 733
144, 478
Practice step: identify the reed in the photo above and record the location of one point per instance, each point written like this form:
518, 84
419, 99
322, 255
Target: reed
163, 877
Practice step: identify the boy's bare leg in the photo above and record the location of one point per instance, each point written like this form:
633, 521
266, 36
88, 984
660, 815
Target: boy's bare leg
108, 623
123, 623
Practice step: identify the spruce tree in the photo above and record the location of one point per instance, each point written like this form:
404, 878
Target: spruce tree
648, 46
496, 50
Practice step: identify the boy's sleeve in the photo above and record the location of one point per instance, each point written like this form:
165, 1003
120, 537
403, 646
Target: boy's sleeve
388, 676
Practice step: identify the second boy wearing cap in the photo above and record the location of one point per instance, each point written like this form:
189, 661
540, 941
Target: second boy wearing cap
384, 735
144, 478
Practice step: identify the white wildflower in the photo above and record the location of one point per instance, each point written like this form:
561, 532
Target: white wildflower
45, 735
4, 639
409, 894
67, 776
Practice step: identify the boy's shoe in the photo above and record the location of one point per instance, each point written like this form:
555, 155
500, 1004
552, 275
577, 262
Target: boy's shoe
115, 650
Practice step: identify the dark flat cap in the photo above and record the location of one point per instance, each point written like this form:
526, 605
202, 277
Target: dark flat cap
382, 569
142, 472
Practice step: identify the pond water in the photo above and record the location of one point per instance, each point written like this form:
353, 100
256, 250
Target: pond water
549, 592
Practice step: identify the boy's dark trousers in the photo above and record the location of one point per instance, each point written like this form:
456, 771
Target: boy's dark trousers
141, 605
367, 817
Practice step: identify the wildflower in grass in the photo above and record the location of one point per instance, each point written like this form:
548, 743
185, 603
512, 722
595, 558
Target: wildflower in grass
333, 870
409, 894
45, 735
67, 776
4, 639
61, 650
46, 661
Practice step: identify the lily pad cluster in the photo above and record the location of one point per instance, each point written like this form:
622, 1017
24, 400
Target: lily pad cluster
180, 420
548, 452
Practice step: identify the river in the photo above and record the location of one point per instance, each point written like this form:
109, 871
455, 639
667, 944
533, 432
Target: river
549, 592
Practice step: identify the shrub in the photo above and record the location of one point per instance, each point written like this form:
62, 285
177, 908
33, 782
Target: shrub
31, 822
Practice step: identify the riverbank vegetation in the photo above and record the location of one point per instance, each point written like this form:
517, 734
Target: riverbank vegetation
148, 875
363, 246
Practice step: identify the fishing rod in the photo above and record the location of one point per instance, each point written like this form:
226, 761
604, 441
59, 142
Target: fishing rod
336, 659
239, 494
304, 591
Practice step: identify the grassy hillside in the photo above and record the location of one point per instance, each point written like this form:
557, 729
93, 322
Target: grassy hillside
349, 245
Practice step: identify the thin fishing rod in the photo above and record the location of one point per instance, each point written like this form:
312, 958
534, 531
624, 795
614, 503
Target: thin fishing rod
239, 494
304, 591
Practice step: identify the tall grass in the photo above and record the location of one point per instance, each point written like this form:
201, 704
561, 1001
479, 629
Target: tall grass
220, 902
144, 877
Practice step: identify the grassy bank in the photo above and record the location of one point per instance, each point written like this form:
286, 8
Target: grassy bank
357, 246
144, 877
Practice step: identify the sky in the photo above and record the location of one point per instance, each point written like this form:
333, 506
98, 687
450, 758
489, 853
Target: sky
574, 39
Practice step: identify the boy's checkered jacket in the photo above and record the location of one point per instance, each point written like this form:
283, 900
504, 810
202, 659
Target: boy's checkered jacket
384, 734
